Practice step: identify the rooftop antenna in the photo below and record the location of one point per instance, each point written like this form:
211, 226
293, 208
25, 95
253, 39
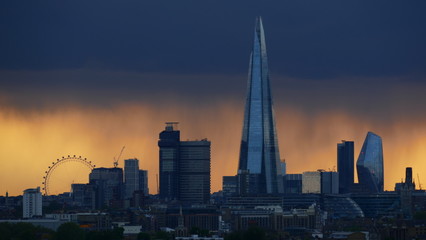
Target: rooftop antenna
119, 155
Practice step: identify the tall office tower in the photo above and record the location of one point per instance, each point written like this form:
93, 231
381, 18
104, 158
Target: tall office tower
143, 182
184, 167
169, 158
370, 164
259, 153
32, 203
194, 171
345, 165
109, 185
131, 177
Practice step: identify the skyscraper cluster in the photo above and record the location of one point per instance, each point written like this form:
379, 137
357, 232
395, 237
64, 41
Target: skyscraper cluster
261, 194
111, 187
369, 165
260, 169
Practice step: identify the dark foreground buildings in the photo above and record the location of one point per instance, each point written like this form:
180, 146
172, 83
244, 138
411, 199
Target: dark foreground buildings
109, 185
184, 167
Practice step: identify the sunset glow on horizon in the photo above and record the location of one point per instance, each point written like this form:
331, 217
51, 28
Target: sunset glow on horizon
33, 140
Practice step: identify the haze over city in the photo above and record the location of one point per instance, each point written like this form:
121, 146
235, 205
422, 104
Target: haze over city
86, 78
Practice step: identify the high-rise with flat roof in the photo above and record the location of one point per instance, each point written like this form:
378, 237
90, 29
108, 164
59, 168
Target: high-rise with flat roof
184, 167
32, 203
131, 177
259, 151
345, 165
194, 171
169, 159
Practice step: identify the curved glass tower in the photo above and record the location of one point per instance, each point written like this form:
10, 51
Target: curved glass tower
259, 153
370, 163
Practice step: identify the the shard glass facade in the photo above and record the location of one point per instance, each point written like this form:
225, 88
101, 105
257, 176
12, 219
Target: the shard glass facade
370, 163
259, 153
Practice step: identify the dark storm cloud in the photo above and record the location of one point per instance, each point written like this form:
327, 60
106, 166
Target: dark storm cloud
55, 88
306, 39
363, 57
377, 99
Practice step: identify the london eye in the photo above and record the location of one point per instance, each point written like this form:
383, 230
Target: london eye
65, 171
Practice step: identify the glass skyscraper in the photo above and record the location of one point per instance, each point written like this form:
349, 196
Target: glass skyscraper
370, 163
259, 153
169, 159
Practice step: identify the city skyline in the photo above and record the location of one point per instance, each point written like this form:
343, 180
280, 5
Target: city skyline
93, 93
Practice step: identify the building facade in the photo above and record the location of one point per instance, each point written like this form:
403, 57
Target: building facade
292, 183
311, 182
84, 196
345, 165
109, 185
229, 186
131, 177
184, 167
143, 182
370, 164
330, 182
169, 159
32, 203
194, 171
259, 150
320, 182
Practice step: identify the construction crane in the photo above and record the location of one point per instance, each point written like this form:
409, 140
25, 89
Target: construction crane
119, 155
418, 179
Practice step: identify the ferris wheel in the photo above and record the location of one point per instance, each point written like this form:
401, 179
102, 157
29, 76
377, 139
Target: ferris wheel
65, 171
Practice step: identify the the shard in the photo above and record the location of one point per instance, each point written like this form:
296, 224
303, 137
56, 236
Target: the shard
259, 152
370, 164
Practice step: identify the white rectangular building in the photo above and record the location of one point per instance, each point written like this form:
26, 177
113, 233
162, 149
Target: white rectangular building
32, 203
320, 182
311, 182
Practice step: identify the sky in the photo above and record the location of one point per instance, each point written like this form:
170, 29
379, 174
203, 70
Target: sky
88, 77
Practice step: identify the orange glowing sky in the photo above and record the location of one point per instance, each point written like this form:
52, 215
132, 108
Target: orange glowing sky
32, 138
